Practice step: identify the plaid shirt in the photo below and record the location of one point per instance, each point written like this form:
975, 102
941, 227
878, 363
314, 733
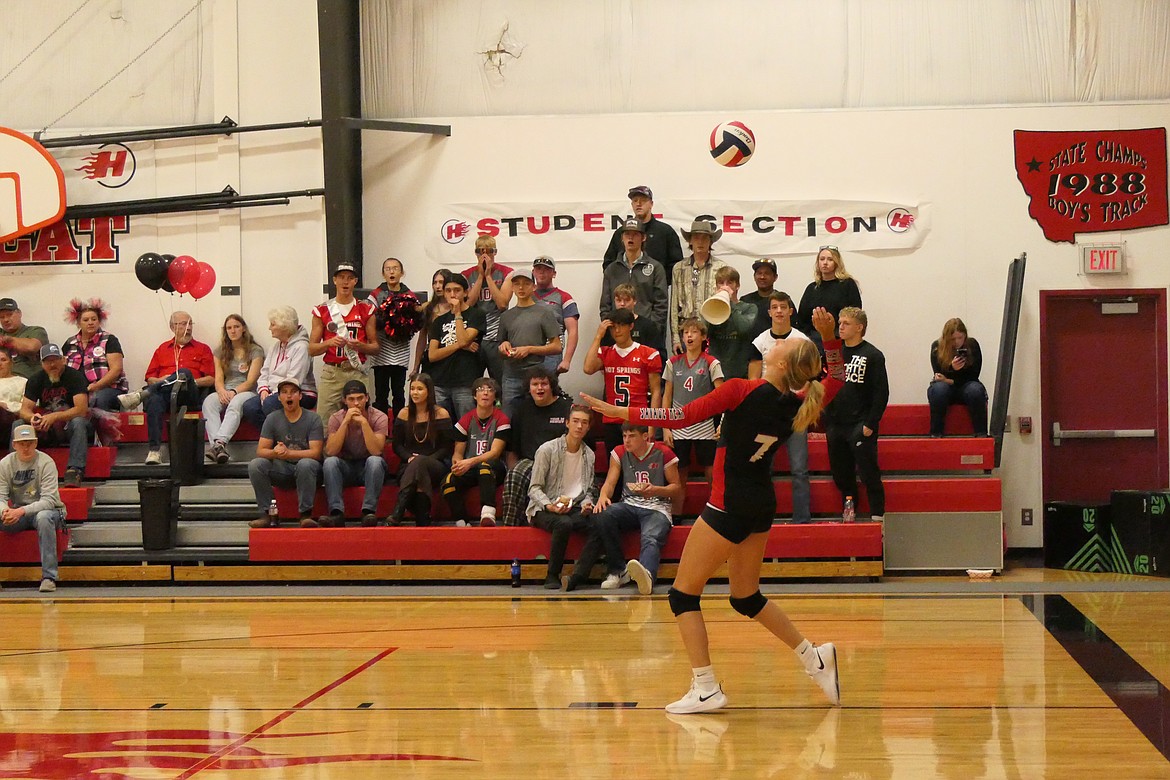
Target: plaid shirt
92, 358
690, 286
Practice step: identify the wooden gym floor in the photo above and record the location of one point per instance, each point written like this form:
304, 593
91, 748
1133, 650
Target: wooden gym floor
1036, 675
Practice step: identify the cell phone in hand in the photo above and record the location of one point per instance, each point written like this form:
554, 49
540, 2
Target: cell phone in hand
962, 352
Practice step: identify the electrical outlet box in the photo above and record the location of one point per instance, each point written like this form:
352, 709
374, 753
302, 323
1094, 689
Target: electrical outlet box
1007, 424
1025, 517
1025, 424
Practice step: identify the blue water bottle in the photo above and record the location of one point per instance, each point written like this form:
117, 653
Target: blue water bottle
515, 572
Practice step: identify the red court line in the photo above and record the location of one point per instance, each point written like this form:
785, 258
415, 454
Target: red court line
214, 758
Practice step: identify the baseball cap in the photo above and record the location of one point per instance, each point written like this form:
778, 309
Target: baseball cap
633, 224
50, 350
525, 272
545, 261
457, 278
354, 387
24, 433
642, 190
292, 380
344, 265
8, 304
764, 261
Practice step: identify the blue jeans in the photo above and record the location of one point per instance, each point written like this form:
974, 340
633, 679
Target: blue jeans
654, 526
458, 401
223, 428
76, 434
515, 387
798, 466
45, 523
158, 402
264, 473
255, 410
340, 472
551, 362
941, 395
106, 398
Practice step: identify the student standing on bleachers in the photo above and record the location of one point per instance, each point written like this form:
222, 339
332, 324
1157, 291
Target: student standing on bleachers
288, 359
956, 360
643, 331
11, 397
641, 270
692, 280
690, 376
435, 308
95, 353
456, 338
633, 372
30, 499
238, 359
644, 475
851, 420
528, 334
544, 271
780, 311
354, 441
423, 443
343, 333
56, 404
832, 289
731, 340
398, 315
288, 454
764, 274
182, 360
562, 492
540, 417
480, 438
490, 292
22, 341
661, 241
735, 525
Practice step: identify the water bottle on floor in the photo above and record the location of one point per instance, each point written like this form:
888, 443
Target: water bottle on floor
850, 514
515, 572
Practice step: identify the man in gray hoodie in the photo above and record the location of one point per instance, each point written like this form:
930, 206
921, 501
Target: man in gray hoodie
30, 499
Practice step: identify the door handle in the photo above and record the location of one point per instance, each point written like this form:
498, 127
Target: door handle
1134, 433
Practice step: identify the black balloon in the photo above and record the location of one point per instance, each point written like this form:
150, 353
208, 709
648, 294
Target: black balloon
151, 270
166, 285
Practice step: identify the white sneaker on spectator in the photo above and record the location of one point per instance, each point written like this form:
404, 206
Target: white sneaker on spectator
824, 672
130, 400
48, 586
153, 458
641, 577
695, 701
461, 523
613, 581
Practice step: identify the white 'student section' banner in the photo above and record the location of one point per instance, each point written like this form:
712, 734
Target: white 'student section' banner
750, 228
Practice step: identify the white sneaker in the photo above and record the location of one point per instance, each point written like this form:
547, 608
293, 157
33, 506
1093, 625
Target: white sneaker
613, 581
48, 586
130, 400
461, 523
153, 458
824, 672
641, 577
696, 702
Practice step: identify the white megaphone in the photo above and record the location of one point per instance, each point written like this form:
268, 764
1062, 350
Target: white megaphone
717, 308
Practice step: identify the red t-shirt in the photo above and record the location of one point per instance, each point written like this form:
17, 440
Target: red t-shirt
627, 375
355, 323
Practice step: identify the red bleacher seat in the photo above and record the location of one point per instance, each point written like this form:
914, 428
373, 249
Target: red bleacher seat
77, 502
134, 428
22, 547
792, 542
98, 461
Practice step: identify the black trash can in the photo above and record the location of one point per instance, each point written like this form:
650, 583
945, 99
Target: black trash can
187, 449
158, 506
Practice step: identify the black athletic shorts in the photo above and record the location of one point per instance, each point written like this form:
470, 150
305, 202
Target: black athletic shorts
735, 528
703, 449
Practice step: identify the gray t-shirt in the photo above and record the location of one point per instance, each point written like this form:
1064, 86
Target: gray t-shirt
528, 326
295, 435
236, 371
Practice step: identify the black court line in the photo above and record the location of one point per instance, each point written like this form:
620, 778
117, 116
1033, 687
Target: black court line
1137, 693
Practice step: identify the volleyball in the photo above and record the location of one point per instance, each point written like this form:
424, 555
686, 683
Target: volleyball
732, 144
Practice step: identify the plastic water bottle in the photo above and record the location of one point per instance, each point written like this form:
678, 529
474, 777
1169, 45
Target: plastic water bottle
273, 513
850, 514
515, 572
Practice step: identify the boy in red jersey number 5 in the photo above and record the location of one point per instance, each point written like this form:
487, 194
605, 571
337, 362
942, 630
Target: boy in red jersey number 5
759, 415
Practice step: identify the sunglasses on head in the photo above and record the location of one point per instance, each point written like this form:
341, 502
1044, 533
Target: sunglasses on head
829, 246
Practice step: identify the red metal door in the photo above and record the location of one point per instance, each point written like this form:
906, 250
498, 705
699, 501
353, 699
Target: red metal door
1103, 392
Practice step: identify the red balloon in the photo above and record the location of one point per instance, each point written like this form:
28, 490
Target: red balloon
183, 273
205, 283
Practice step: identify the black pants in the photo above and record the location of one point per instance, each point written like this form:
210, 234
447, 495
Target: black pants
560, 526
486, 476
389, 381
852, 454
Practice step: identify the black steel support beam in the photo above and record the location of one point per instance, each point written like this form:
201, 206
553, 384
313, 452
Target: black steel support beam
339, 44
397, 127
225, 126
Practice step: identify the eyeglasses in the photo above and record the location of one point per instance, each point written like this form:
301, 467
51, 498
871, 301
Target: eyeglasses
829, 246
485, 251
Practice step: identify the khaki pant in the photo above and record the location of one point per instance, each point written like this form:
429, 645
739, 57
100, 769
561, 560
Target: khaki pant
330, 382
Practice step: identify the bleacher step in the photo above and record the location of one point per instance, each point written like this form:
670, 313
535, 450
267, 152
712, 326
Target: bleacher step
191, 533
214, 491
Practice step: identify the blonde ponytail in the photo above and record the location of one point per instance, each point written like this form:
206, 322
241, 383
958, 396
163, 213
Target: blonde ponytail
810, 410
